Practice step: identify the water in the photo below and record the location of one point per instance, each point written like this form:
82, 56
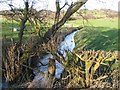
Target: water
3, 83
67, 44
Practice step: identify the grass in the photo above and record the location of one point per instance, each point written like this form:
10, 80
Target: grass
111, 23
7, 28
8, 25
99, 38
100, 34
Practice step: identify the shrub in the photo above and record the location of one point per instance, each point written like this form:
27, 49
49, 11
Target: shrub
88, 69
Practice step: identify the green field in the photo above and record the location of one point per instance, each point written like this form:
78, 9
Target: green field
8, 33
110, 23
99, 34
7, 28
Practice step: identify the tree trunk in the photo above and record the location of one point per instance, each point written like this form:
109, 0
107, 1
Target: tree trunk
71, 10
22, 25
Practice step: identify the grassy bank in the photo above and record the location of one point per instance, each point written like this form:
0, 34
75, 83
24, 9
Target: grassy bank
98, 35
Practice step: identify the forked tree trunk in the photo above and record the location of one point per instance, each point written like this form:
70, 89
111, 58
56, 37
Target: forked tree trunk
70, 11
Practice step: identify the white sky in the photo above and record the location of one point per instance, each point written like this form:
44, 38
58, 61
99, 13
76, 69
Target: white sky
50, 4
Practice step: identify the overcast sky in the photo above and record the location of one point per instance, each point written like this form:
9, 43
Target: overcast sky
50, 4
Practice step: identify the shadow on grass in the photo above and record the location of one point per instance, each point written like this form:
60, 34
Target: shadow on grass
97, 38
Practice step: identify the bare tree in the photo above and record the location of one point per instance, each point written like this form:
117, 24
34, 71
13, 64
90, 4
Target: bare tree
52, 31
70, 11
72, 8
58, 23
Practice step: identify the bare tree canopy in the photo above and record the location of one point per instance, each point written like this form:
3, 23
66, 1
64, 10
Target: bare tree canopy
71, 10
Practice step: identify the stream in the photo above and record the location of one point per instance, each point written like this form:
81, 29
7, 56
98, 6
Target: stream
67, 44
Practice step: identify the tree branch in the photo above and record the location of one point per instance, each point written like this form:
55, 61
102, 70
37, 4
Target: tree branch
71, 10
24, 20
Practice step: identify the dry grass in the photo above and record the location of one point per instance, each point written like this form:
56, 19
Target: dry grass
12, 62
